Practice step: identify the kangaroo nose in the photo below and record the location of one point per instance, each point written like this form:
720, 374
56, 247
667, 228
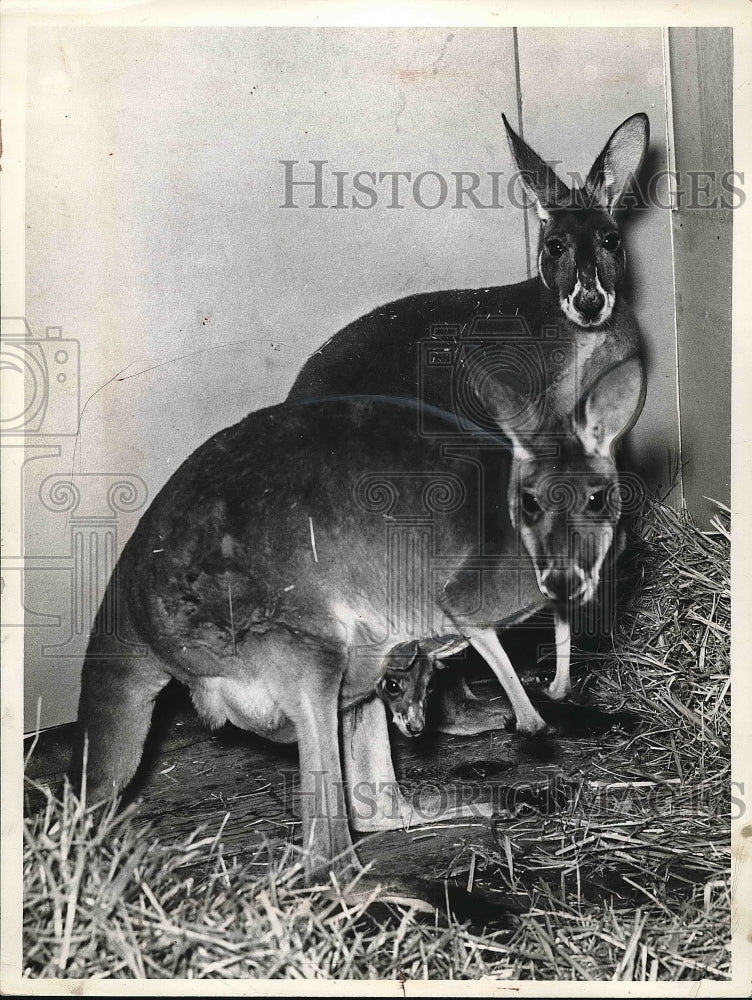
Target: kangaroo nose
414, 728
562, 584
589, 302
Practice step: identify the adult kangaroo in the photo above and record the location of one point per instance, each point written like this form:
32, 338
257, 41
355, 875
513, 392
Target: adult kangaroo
552, 336
556, 333
288, 554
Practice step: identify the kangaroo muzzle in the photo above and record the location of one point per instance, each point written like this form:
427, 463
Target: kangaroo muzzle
415, 722
589, 302
565, 585
411, 724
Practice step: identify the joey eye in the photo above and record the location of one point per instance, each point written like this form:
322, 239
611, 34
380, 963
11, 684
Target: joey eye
555, 247
597, 502
611, 242
530, 505
392, 687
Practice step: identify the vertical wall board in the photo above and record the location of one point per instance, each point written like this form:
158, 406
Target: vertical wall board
701, 77
596, 79
156, 242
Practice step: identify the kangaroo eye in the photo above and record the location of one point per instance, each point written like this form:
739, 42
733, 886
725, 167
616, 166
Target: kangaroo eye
555, 247
611, 242
597, 502
392, 686
530, 503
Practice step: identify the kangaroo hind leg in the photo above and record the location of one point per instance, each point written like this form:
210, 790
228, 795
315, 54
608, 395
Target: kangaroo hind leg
305, 681
376, 800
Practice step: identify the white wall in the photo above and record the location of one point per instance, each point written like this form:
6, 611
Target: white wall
155, 236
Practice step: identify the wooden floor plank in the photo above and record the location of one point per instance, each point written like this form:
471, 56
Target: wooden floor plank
191, 777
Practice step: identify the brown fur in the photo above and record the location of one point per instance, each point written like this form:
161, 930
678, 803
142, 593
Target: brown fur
260, 577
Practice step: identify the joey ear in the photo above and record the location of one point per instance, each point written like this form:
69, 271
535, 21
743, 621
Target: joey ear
540, 182
619, 161
611, 407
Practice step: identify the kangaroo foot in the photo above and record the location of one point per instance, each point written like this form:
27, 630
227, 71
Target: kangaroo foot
431, 897
458, 711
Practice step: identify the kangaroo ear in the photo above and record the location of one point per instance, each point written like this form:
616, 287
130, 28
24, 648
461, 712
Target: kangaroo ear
619, 161
611, 407
539, 180
519, 417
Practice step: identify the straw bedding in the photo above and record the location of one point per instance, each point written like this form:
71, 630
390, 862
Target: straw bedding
628, 879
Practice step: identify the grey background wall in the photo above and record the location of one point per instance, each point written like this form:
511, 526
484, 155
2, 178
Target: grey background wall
155, 239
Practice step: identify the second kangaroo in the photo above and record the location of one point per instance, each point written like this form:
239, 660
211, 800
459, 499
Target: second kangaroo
557, 332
